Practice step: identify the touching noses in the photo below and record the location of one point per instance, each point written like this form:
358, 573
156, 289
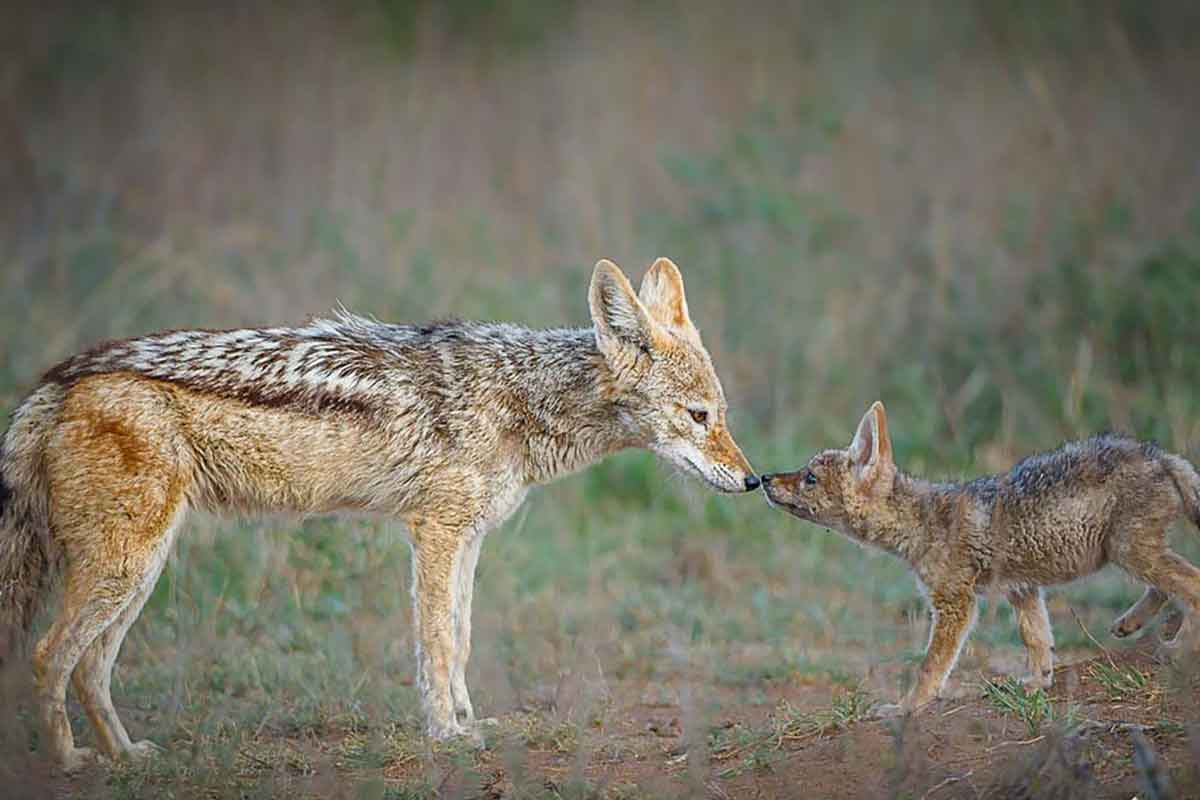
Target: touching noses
751, 483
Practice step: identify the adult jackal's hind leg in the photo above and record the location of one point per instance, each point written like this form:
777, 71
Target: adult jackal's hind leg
101, 601
92, 678
117, 482
89, 606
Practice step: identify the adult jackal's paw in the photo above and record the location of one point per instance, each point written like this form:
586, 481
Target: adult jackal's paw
454, 731
483, 730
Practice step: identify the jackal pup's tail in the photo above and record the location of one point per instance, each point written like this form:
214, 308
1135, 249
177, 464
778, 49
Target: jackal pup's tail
1187, 482
26, 547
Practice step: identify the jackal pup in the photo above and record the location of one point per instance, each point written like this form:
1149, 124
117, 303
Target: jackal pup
445, 426
1052, 518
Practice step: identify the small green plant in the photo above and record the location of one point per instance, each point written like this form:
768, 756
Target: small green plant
1030, 706
754, 749
1120, 682
850, 707
538, 733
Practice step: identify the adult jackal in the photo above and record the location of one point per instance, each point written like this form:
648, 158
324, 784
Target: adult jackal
446, 426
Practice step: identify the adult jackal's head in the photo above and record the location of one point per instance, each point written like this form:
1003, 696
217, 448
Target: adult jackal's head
667, 387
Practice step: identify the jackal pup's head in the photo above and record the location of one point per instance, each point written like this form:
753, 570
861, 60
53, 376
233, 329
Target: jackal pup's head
841, 489
663, 380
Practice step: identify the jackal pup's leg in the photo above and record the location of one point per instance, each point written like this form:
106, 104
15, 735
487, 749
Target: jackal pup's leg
1173, 576
954, 612
1034, 623
1141, 612
437, 563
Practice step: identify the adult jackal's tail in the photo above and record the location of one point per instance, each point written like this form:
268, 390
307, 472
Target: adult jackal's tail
26, 546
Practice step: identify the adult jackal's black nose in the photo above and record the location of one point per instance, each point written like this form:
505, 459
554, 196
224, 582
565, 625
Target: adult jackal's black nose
752, 483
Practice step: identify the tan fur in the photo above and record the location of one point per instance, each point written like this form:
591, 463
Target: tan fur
445, 426
1053, 518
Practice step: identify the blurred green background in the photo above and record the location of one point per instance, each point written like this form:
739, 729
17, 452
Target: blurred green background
985, 214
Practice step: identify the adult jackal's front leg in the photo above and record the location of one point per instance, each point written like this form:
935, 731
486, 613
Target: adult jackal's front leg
464, 589
436, 557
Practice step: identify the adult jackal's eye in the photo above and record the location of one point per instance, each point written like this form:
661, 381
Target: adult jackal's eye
810, 478
699, 415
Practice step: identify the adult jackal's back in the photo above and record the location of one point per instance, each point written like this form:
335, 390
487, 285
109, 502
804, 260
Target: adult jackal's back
445, 426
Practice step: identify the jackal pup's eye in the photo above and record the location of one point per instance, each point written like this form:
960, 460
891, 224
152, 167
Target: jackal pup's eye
699, 415
810, 478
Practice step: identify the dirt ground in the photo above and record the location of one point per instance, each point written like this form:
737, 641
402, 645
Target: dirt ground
789, 737
965, 747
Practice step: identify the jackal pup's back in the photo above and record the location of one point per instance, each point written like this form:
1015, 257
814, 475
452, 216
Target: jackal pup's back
1053, 518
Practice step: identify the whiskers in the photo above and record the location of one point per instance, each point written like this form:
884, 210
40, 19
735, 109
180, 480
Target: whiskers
686, 474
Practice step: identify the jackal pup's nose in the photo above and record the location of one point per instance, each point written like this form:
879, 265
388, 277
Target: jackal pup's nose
765, 478
751, 483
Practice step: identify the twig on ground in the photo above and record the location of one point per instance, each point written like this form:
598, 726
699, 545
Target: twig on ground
1034, 740
1093, 639
947, 782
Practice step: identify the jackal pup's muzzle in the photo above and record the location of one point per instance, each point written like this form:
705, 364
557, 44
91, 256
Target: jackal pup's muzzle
786, 490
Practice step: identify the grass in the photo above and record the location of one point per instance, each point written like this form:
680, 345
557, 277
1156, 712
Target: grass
539, 733
1123, 681
1030, 706
756, 749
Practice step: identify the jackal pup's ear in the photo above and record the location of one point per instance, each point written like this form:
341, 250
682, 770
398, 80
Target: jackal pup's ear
624, 328
871, 450
662, 295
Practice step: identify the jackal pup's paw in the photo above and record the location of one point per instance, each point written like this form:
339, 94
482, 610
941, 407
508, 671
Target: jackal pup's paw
143, 750
1038, 680
1166, 650
1185, 643
1125, 626
78, 758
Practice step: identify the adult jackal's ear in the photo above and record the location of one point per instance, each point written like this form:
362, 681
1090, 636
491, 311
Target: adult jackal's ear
871, 450
662, 295
624, 329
